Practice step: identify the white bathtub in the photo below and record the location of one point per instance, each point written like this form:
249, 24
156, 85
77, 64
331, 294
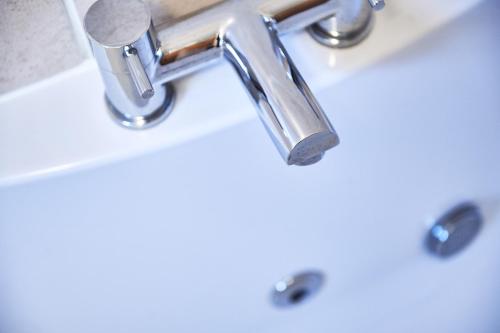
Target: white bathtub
187, 226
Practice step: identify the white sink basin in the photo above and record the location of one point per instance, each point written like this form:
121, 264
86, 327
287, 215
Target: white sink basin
185, 227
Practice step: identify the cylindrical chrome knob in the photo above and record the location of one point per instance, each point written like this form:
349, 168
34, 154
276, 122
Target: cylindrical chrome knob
124, 43
350, 25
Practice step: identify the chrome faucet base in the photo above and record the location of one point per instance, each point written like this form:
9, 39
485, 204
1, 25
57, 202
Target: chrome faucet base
149, 119
335, 39
348, 26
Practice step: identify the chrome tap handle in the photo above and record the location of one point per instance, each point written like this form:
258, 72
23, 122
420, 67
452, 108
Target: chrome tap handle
139, 76
124, 43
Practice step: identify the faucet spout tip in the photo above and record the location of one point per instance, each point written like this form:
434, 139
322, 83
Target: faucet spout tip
310, 161
311, 149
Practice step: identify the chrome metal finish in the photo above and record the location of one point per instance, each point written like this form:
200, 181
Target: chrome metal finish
348, 26
377, 4
124, 44
456, 229
246, 33
146, 120
296, 289
139, 76
290, 113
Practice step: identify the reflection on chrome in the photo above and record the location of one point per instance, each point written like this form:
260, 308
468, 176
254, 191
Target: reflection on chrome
138, 60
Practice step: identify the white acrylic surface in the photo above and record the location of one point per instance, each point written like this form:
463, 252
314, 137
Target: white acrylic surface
191, 237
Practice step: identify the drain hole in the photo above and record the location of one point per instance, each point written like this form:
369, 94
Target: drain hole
298, 296
296, 289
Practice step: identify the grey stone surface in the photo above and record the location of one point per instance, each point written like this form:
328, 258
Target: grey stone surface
37, 41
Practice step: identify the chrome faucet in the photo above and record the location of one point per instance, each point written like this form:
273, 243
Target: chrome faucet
138, 61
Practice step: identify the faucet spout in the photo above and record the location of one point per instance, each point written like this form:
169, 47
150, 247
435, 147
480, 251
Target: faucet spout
291, 115
139, 61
